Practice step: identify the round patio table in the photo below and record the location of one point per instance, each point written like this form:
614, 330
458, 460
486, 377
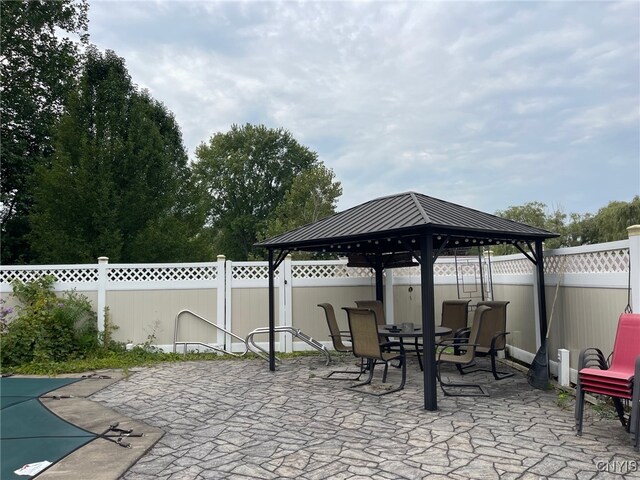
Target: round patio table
416, 334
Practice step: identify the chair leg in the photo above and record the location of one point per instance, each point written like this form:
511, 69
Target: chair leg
498, 375
344, 372
402, 382
620, 411
347, 372
372, 363
449, 393
464, 369
371, 366
579, 413
419, 355
634, 418
634, 421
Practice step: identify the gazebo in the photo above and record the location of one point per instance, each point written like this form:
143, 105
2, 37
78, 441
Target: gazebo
409, 225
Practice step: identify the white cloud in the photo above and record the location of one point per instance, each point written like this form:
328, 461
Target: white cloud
448, 98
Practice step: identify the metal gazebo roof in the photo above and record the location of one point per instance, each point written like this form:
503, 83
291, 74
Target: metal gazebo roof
392, 223
420, 225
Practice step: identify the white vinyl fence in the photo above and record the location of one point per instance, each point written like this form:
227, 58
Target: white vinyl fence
142, 300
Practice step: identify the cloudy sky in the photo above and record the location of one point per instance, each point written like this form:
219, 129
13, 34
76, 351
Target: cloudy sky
487, 105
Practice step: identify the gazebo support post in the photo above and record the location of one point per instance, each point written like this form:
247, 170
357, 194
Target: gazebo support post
428, 322
272, 315
542, 302
379, 286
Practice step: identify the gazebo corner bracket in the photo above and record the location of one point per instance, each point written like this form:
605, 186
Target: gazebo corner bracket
531, 254
280, 258
442, 246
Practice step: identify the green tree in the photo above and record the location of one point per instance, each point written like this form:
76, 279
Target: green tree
536, 214
118, 184
313, 196
608, 225
243, 175
38, 66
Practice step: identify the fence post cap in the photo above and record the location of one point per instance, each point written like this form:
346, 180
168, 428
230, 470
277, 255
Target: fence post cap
221, 258
633, 230
103, 259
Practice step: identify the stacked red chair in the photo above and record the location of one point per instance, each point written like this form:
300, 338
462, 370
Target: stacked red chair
619, 380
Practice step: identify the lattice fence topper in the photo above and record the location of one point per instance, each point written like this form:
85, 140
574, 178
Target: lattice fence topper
66, 275
606, 261
162, 274
252, 272
520, 266
329, 271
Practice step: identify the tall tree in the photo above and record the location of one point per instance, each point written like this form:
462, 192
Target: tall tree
608, 224
118, 183
313, 195
38, 66
244, 175
536, 215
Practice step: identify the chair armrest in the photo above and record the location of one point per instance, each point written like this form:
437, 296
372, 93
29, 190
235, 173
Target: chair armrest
462, 333
495, 339
449, 343
442, 350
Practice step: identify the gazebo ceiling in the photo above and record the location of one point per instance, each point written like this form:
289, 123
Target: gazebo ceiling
395, 223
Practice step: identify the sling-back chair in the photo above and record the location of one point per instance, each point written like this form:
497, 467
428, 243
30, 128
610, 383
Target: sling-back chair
465, 355
378, 307
375, 305
338, 338
455, 315
619, 380
492, 338
366, 345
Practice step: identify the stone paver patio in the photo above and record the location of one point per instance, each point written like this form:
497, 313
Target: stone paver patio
237, 420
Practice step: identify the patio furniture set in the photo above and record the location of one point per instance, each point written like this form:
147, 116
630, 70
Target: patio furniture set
371, 340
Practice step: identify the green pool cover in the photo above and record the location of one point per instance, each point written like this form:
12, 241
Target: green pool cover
29, 432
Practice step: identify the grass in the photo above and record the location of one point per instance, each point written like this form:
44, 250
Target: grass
564, 400
125, 360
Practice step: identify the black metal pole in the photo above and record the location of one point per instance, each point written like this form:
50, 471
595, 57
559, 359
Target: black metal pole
542, 298
272, 320
481, 274
379, 287
428, 322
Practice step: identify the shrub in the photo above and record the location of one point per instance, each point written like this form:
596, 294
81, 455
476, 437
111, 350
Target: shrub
46, 327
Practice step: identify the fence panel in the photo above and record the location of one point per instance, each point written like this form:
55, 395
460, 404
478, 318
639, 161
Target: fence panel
143, 299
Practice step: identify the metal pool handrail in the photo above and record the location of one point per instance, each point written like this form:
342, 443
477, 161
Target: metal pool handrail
213, 347
296, 332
